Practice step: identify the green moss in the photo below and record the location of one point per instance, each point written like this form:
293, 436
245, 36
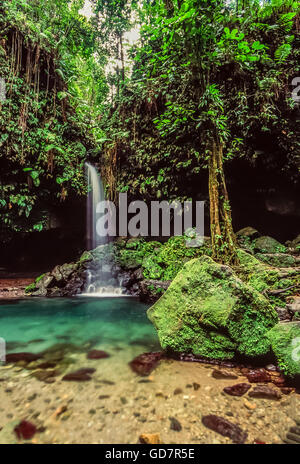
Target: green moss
209, 311
257, 274
85, 257
169, 258
277, 259
268, 245
285, 342
158, 260
264, 277
38, 279
31, 288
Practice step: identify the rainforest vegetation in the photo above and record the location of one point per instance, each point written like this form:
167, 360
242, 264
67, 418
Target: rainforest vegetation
203, 85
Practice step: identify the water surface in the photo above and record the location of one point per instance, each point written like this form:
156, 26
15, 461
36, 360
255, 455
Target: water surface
34, 325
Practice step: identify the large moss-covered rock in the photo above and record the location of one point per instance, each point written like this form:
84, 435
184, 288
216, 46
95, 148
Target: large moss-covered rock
294, 244
267, 279
259, 275
277, 259
285, 342
268, 245
209, 311
248, 232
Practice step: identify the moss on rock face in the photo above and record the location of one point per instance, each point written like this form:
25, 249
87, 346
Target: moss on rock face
209, 311
285, 342
268, 245
263, 277
277, 259
257, 274
158, 260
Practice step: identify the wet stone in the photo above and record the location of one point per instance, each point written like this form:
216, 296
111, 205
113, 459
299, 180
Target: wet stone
80, 375
175, 424
46, 365
27, 357
44, 375
237, 390
287, 390
258, 376
97, 354
25, 430
293, 436
223, 374
177, 391
264, 392
224, 427
145, 363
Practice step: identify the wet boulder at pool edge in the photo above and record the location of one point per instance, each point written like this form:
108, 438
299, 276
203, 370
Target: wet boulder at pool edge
210, 312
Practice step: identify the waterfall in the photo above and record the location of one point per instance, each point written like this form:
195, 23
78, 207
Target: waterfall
95, 195
99, 279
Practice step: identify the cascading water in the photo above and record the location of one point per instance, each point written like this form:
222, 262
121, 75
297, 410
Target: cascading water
99, 278
95, 196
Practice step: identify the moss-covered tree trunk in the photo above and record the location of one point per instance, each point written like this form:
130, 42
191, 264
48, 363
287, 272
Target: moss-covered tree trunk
222, 235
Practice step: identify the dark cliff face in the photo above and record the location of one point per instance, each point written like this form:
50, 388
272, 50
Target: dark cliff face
264, 196
62, 241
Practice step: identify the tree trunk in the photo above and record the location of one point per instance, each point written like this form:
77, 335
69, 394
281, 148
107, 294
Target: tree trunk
222, 235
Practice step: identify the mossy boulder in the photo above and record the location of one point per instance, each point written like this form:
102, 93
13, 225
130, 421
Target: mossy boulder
294, 244
277, 259
285, 342
259, 275
210, 312
264, 278
268, 245
248, 232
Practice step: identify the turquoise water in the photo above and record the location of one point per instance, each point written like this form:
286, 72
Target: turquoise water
35, 325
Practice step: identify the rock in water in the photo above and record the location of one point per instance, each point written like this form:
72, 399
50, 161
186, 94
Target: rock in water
223, 374
224, 427
210, 312
262, 391
97, 354
25, 430
175, 424
293, 436
145, 363
285, 342
258, 375
27, 357
80, 375
237, 390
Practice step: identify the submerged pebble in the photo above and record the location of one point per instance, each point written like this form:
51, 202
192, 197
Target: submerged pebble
97, 354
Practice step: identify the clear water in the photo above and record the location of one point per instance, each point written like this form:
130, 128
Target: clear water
35, 325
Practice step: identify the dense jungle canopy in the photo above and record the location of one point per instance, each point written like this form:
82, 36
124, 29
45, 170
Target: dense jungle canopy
199, 104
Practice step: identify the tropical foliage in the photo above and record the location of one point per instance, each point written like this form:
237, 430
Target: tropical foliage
208, 81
